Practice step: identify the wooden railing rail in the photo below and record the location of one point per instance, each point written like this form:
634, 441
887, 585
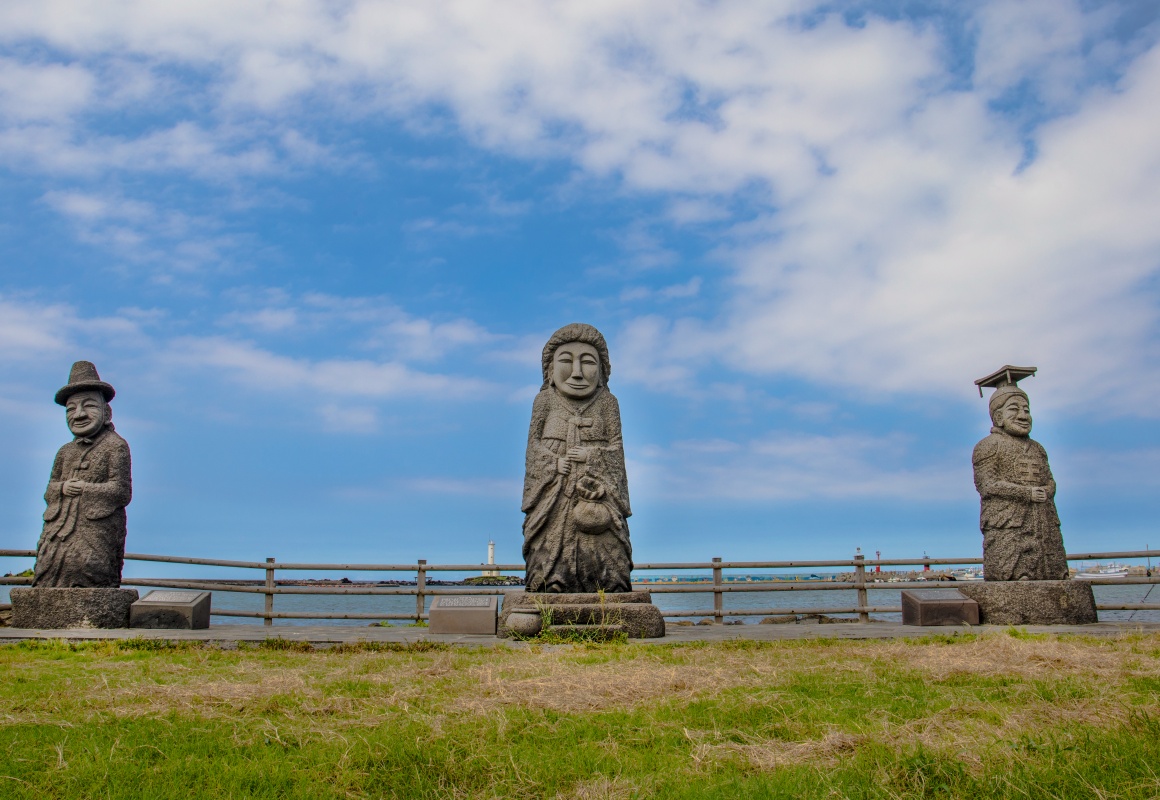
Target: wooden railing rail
716, 583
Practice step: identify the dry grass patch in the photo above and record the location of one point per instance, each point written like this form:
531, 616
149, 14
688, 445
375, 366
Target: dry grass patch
559, 684
1008, 656
316, 685
601, 788
768, 754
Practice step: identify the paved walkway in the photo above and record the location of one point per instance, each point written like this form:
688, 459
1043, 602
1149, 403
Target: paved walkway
675, 634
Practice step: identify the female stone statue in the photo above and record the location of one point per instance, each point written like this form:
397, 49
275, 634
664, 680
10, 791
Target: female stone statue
575, 487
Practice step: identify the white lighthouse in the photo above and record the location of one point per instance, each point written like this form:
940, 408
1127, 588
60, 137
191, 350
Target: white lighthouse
491, 573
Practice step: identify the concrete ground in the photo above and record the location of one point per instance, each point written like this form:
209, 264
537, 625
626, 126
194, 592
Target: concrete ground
324, 635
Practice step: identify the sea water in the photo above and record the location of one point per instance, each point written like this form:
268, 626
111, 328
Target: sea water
777, 603
780, 602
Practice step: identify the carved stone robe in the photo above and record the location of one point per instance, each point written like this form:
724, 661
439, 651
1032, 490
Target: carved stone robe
562, 552
1021, 538
82, 544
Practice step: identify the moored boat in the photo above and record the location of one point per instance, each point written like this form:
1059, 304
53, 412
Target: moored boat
1098, 572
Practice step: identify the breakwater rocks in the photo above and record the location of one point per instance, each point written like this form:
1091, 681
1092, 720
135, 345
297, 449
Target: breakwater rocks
503, 580
491, 580
777, 619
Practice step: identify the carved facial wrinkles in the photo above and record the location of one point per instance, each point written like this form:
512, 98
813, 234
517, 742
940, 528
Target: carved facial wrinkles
1014, 417
86, 413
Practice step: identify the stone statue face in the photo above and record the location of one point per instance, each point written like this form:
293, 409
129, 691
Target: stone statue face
86, 413
1014, 416
576, 370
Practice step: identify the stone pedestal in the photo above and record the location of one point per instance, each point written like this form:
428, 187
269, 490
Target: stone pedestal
631, 612
71, 608
467, 614
938, 607
171, 610
1033, 602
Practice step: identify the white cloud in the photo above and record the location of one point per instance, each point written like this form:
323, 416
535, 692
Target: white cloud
675, 291
262, 369
31, 331
791, 466
349, 419
91, 208
169, 241
891, 238
377, 323
38, 92
347, 394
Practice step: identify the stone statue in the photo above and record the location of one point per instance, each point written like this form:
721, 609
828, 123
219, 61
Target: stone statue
82, 544
1021, 536
575, 486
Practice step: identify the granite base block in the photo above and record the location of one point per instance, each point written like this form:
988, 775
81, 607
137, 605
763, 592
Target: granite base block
71, 608
1033, 602
634, 611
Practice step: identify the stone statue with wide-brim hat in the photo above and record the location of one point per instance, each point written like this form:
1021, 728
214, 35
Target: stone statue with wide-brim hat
82, 544
76, 583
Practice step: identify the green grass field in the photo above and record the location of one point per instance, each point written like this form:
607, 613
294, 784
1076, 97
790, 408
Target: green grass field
1005, 715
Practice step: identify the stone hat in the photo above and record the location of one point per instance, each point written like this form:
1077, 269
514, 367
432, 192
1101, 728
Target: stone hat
1005, 382
84, 378
575, 332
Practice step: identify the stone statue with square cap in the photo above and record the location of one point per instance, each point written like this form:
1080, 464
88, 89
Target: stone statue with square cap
82, 544
1020, 525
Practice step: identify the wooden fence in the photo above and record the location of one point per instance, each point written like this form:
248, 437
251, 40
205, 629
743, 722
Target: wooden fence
718, 587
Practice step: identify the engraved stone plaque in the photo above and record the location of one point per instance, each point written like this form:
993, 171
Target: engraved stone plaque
464, 614
938, 607
171, 609
464, 602
171, 597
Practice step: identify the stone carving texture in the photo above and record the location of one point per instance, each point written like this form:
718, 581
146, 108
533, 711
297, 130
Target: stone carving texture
575, 486
1020, 525
82, 544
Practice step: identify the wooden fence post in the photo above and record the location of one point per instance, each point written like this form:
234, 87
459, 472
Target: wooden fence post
718, 599
421, 584
860, 585
269, 620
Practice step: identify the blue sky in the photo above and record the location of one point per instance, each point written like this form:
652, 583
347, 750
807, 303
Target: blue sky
317, 247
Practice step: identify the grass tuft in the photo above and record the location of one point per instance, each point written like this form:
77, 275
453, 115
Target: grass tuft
286, 645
